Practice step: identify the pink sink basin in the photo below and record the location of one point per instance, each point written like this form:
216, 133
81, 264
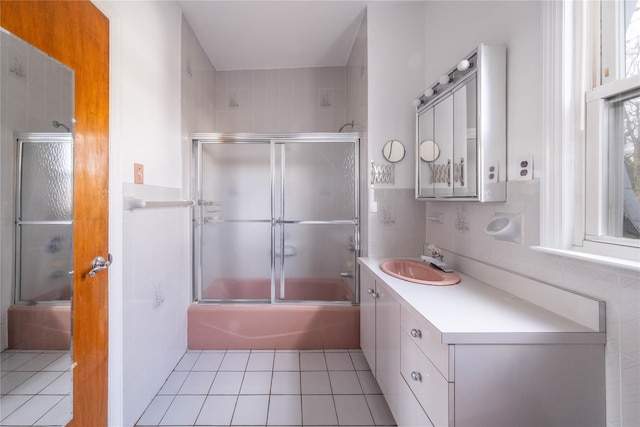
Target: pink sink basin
418, 272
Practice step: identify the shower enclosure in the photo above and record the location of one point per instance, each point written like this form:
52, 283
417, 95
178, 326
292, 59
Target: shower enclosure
44, 219
277, 218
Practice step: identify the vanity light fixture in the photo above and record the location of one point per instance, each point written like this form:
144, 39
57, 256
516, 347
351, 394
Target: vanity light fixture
451, 78
463, 65
444, 79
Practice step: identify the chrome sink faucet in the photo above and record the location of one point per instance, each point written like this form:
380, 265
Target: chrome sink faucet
434, 252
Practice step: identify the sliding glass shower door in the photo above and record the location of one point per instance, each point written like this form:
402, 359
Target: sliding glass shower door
277, 219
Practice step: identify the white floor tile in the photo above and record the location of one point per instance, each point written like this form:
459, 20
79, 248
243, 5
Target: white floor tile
339, 361
61, 385
368, 382
258, 382
155, 411
286, 361
174, 382
227, 383
285, 382
16, 360
61, 364
330, 391
318, 411
10, 403
344, 382
197, 383
251, 411
312, 361
217, 411
40, 362
315, 382
59, 414
36, 383
32, 410
235, 361
13, 379
285, 410
188, 360
359, 361
183, 410
260, 361
209, 361
353, 410
380, 410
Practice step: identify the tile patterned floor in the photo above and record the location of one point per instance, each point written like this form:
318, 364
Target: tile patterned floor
35, 388
270, 388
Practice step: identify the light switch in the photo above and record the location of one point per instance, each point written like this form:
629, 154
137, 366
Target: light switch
138, 173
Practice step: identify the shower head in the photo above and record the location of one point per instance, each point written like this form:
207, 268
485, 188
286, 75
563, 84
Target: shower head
57, 124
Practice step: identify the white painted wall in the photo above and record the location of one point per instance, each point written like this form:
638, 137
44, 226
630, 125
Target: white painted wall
149, 281
396, 55
396, 64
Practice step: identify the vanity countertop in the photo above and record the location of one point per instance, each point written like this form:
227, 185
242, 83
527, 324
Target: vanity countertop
473, 312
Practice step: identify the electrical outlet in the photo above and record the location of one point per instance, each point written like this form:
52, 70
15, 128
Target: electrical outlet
492, 173
525, 168
138, 173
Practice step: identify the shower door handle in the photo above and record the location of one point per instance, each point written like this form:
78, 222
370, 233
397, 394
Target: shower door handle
100, 264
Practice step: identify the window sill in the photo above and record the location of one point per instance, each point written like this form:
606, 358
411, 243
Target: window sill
589, 257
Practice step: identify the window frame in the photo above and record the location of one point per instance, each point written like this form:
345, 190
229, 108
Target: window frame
574, 101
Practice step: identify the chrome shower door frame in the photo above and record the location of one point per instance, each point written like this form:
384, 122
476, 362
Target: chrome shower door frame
277, 143
35, 138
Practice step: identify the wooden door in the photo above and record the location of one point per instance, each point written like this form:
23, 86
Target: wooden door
76, 33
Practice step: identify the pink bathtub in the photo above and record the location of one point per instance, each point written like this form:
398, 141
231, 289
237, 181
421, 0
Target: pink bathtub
273, 326
39, 327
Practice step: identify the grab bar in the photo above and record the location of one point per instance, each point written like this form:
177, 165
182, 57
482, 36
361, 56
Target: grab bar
131, 203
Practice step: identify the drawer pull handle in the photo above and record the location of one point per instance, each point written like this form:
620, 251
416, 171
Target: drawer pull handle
372, 293
416, 333
416, 376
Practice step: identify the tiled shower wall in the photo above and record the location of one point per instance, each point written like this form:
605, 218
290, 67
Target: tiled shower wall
36, 90
281, 100
463, 233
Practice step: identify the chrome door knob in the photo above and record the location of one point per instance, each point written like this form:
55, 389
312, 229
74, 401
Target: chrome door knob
100, 264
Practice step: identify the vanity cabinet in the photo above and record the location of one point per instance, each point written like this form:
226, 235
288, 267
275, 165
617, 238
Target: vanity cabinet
380, 343
483, 358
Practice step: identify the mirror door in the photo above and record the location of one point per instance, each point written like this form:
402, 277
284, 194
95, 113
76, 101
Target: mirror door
83, 47
447, 145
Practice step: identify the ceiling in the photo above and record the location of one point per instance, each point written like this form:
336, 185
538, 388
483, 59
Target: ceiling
248, 35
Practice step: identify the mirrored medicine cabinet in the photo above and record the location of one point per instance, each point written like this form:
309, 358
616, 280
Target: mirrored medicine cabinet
461, 131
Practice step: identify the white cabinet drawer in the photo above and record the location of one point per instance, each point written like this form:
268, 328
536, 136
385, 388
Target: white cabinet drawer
428, 338
408, 412
433, 391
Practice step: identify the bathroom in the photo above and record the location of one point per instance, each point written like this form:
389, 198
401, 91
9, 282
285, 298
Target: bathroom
408, 45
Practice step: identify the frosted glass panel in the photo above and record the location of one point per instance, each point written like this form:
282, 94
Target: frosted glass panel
236, 260
319, 181
47, 181
319, 262
236, 181
46, 259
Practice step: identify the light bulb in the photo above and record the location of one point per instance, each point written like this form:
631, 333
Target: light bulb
444, 79
429, 92
416, 102
463, 65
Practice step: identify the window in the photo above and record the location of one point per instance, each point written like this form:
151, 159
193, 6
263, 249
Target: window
591, 198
